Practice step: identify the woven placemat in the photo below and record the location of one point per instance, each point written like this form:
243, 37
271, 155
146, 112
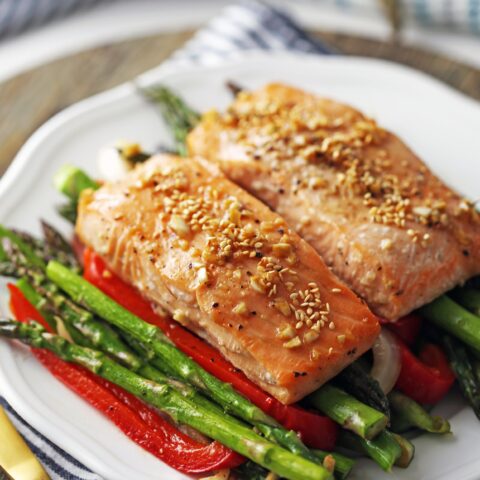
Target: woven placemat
29, 99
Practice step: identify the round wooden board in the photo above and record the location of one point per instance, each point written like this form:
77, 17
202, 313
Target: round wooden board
29, 99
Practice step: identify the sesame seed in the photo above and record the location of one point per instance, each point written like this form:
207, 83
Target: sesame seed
287, 332
310, 336
240, 308
293, 343
386, 244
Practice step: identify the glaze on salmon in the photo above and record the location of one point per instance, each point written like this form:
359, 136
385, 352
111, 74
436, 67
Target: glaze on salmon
388, 227
231, 270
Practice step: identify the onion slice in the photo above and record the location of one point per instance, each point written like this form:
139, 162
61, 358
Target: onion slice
386, 360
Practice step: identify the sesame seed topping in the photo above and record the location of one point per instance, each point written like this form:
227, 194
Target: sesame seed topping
293, 343
386, 244
240, 308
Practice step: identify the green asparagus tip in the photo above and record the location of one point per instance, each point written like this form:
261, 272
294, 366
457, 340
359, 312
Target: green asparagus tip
409, 414
71, 181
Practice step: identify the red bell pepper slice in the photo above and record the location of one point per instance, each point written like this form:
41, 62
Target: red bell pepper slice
407, 327
425, 379
137, 420
315, 430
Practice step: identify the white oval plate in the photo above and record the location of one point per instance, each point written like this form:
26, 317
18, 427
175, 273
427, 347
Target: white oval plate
440, 124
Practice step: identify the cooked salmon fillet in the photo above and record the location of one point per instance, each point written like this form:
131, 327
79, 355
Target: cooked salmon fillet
228, 268
386, 225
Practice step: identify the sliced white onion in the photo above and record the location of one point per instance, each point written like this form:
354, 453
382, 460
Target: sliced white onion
386, 360
111, 165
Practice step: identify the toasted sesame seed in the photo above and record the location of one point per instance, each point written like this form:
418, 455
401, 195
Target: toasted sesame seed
240, 308
202, 275
386, 244
293, 343
310, 336
179, 315
282, 306
287, 332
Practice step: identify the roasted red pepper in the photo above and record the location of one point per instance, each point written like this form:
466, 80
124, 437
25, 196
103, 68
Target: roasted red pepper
137, 420
425, 379
315, 430
407, 327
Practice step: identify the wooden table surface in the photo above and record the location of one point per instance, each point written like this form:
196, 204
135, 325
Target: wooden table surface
29, 99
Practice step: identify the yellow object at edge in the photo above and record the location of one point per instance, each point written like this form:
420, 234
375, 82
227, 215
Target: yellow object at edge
15, 456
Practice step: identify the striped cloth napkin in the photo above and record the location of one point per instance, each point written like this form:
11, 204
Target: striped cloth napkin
246, 26
464, 15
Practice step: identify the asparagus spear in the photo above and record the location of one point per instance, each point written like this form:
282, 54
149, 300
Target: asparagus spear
71, 181
462, 367
55, 321
234, 87
81, 324
178, 115
26, 249
468, 297
449, 316
231, 433
349, 412
57, 248
384, 449
3, 255
356, 381
68, 211
8, 269
410, 413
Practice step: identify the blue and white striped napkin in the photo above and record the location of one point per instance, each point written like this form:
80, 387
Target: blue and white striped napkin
464, 15
246, 26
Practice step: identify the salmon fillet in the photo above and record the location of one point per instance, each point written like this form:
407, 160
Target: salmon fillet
231, 270
388, 227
